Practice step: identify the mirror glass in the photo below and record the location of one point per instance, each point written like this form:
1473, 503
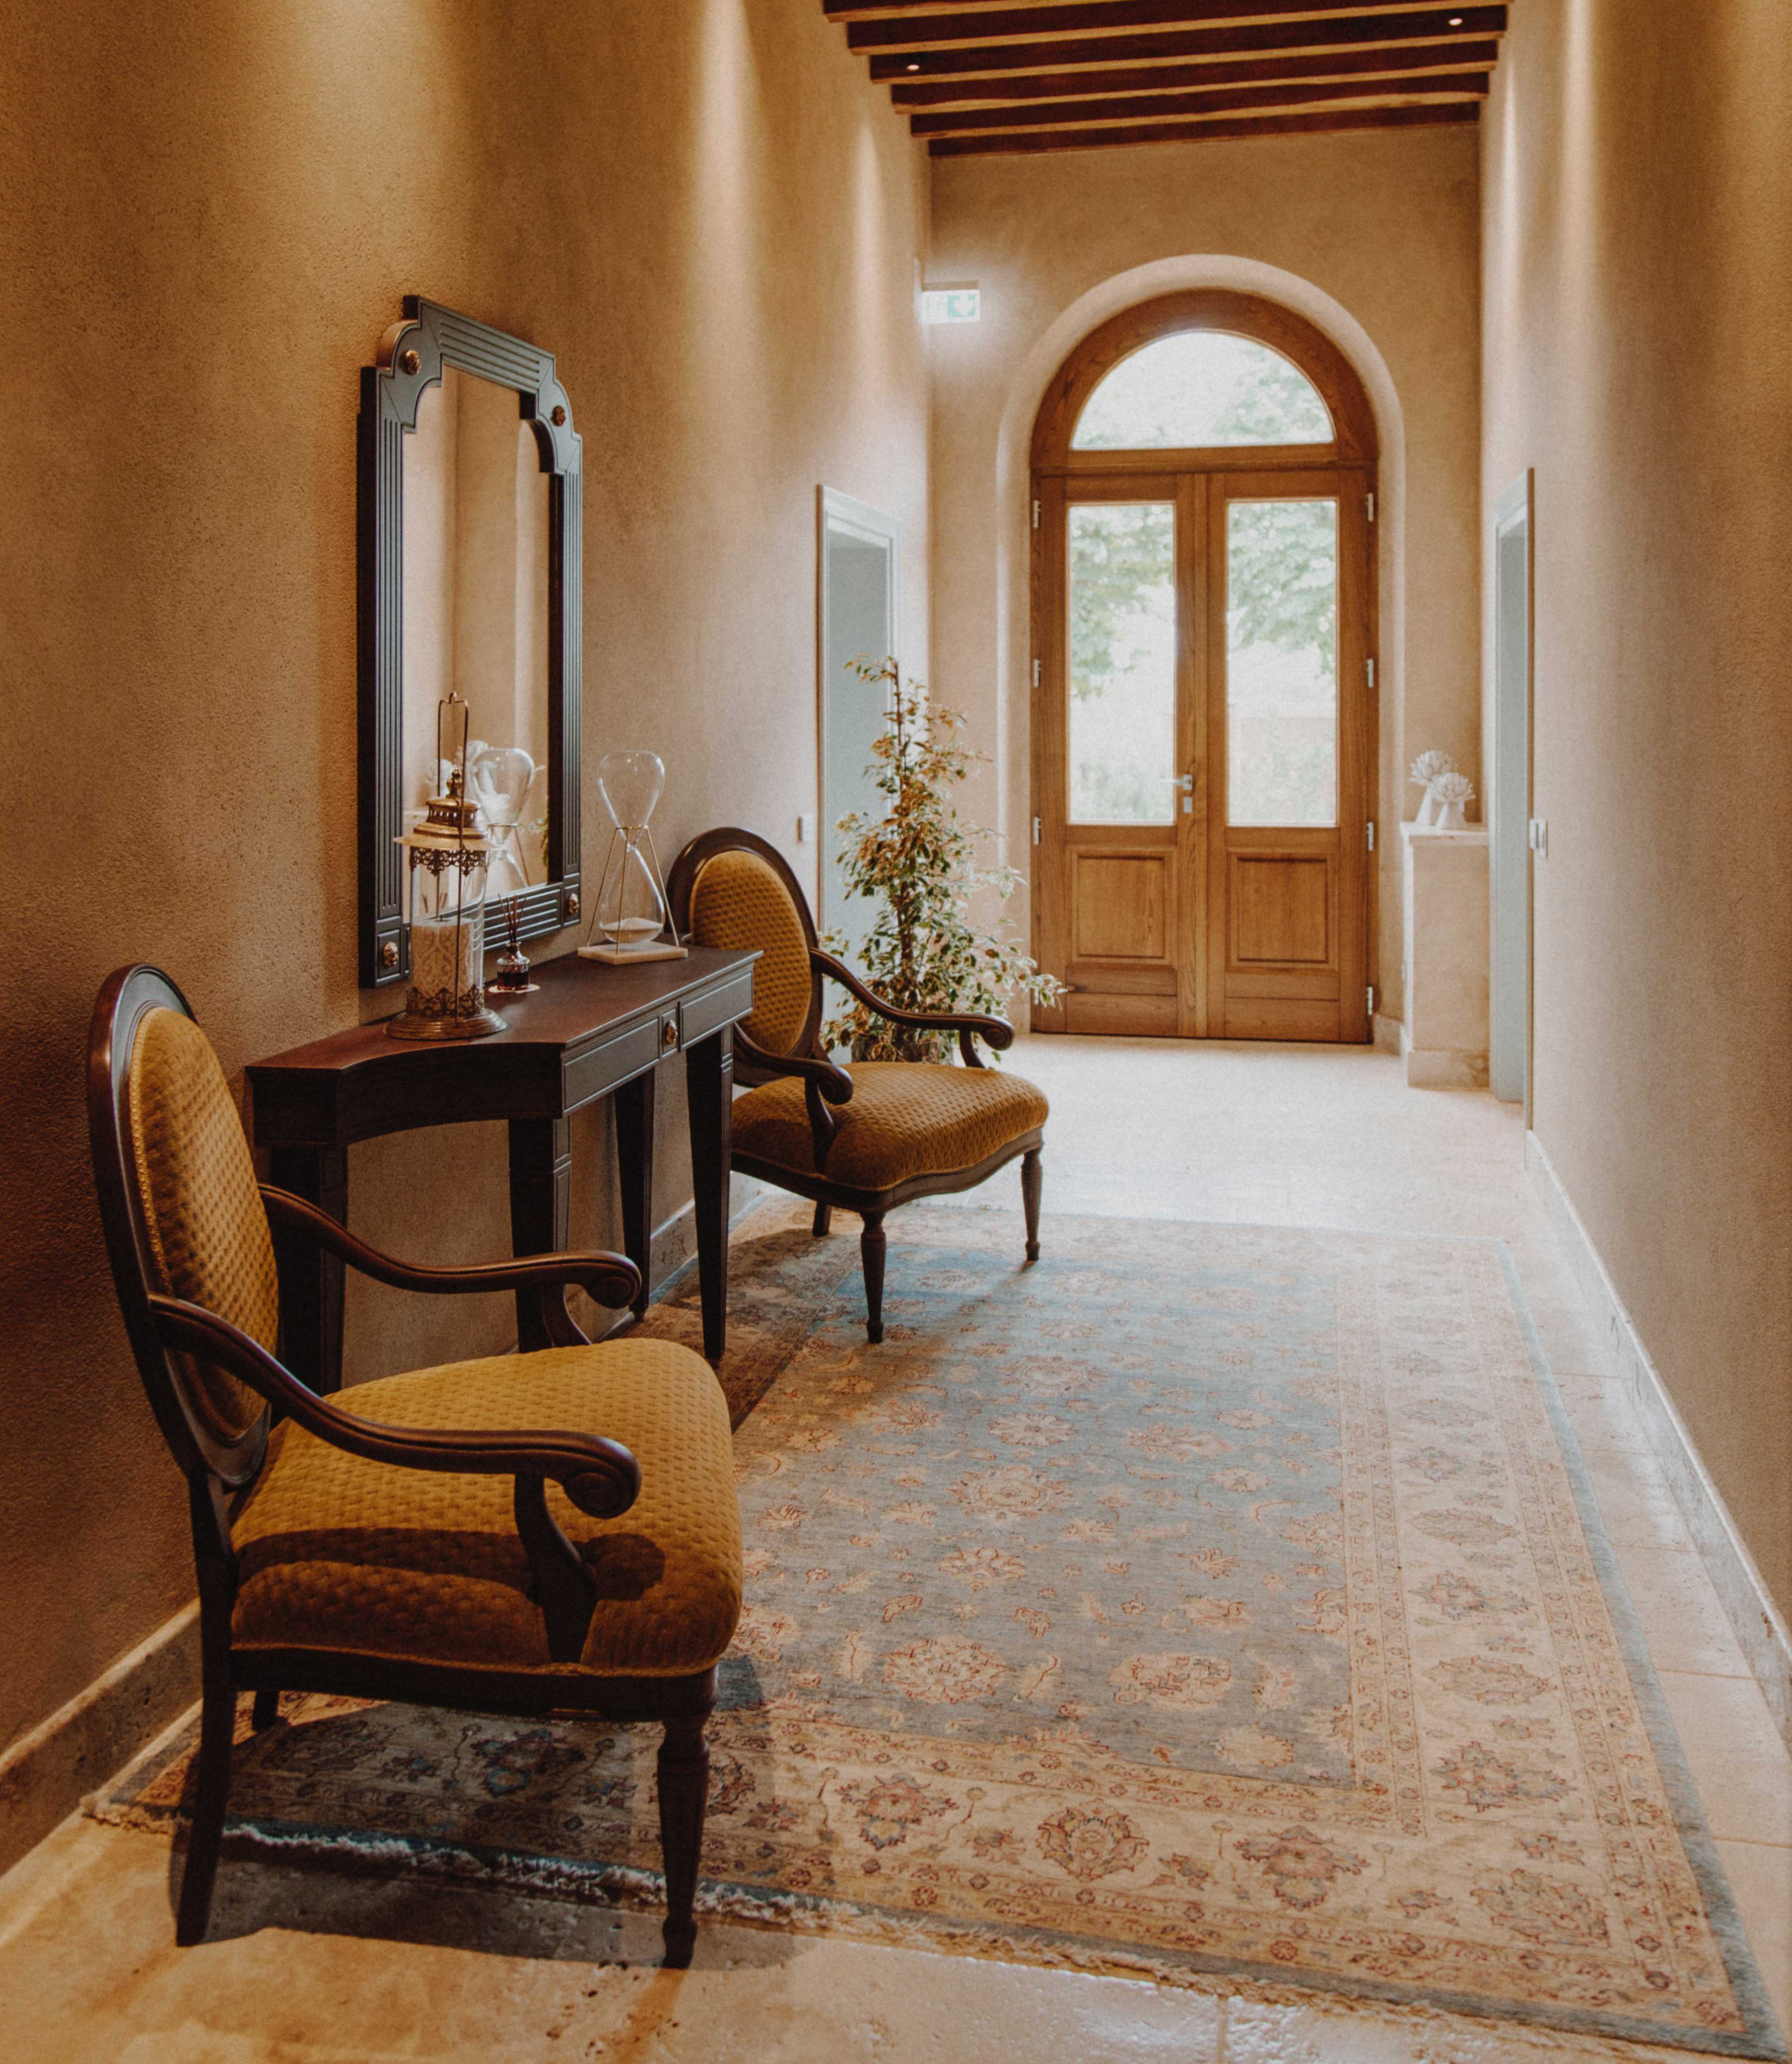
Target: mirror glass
858, 621
476, 621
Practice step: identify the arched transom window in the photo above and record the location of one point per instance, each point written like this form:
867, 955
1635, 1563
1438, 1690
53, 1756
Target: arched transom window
1202, 387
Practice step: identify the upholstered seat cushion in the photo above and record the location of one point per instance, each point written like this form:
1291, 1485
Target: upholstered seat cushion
336, 1553
904, 1118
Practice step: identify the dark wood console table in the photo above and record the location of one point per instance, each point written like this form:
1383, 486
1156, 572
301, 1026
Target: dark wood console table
588, 1031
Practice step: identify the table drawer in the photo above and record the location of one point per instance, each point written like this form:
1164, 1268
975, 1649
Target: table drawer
703, 1014
596, 1069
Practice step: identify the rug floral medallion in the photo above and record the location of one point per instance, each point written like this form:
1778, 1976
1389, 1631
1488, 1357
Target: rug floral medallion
1202, 1600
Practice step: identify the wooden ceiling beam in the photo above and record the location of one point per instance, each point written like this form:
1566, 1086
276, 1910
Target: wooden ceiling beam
1361, 31
1059, 18
1167, 107
1314, 66
883, 10
1224, 129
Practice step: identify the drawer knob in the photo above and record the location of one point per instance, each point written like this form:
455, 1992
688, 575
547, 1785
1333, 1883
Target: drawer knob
669, 1032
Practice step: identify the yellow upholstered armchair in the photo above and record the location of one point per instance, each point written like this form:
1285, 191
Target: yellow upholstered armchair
544, 1533
869, 1137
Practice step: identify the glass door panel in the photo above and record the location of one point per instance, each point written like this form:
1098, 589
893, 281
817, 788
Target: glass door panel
1281, 663
1122, 624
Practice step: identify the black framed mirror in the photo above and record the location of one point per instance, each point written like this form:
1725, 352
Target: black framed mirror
470, 564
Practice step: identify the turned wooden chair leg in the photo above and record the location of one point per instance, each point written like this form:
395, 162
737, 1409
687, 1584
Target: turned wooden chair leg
823, 1221
683, 1796
871, 1252
1032, 1182
211, 1791
267, 1709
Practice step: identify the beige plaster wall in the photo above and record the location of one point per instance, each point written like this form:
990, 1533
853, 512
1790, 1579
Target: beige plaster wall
1637, 174
208, 211
1373, 236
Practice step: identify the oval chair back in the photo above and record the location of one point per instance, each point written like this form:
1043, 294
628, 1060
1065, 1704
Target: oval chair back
182, 1213
733, 889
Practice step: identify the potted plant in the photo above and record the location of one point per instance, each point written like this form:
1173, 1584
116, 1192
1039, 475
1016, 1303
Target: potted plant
918, 865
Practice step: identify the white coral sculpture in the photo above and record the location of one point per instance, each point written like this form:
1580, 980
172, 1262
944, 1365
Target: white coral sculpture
1449, 792
1427, 769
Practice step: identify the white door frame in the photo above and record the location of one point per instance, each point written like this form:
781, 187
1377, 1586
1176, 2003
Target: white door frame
843, 515
1509, 792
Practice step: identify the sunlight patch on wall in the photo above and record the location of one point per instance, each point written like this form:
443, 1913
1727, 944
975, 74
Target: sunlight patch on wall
870, 235
729, 273
1578, 251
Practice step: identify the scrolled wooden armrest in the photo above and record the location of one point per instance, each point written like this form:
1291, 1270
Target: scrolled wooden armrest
829, 1076
601, 1477
824, 1082
994, 1032
611, 1279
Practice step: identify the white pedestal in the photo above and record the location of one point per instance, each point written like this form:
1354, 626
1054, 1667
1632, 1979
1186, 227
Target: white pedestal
1443, 1040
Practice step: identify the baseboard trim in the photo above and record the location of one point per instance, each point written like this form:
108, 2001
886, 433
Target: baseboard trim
1760, 1628
1441, 1067
1386, 1033
46, 1774
674, 1242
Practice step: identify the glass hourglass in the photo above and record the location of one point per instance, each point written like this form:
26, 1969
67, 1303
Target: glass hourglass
501, 780
631, 911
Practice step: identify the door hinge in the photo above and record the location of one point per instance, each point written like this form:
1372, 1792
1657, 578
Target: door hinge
1370, 665
1372, 834
1371, 999
1035, 673
1036, 515
1035, 830
1372, 505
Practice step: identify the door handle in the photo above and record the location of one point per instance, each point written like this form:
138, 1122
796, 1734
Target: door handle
1184, 782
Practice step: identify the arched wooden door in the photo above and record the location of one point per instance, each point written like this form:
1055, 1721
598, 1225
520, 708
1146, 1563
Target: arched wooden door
1204, 704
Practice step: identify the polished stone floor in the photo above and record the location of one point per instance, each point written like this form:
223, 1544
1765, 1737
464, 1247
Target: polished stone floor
303, 1966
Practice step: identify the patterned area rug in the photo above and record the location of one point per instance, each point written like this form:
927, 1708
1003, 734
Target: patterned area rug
1218, 1604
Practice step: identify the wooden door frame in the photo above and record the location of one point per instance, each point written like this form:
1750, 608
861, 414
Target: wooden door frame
1187, 476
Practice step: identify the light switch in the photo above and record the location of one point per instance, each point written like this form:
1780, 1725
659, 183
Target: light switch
806, 828
1540, 837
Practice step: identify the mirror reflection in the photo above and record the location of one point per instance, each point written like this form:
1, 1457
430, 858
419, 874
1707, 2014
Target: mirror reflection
476, 612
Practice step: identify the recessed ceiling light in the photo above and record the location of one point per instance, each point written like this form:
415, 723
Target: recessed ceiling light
914, 67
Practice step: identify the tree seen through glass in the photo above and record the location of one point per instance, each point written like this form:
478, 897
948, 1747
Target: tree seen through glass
1282, 663
1203, 387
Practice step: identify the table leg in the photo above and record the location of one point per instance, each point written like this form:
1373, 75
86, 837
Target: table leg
311, 1281
634, 1104
709, 1080
540, 1207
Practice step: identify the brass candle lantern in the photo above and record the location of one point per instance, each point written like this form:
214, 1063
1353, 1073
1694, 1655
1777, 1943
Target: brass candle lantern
448, 856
